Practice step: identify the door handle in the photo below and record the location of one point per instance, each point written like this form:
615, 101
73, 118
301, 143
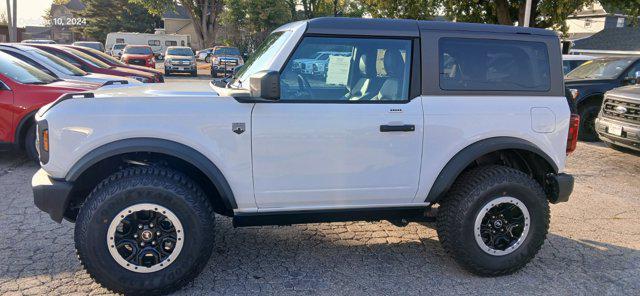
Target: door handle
397, 128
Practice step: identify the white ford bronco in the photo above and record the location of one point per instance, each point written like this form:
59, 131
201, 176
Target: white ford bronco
466, 124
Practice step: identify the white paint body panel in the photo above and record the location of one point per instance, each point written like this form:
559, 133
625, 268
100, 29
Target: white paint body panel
334, 154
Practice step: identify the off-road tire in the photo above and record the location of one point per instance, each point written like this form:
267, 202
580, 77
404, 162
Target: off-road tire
470, 193
588, 115
30, 143
194, 73
161, 186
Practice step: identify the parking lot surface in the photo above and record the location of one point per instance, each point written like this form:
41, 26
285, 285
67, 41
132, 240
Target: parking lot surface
593, 247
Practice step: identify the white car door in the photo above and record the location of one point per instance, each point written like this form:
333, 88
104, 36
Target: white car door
352, 138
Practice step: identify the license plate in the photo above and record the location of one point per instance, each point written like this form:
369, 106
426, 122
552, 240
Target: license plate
180, 68
615, 129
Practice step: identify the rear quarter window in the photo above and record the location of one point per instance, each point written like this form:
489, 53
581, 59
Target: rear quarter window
468, 64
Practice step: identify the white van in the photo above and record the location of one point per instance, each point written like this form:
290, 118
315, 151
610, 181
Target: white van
158, 42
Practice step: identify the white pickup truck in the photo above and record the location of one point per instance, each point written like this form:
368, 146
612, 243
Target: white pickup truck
464, 123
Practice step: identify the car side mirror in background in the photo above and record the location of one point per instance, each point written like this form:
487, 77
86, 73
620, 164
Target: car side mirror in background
265, 85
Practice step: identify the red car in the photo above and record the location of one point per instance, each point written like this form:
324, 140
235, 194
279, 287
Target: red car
23, 90
93, 65
141, 55
111, 61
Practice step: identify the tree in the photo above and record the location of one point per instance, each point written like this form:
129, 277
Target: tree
248, 22
410, 9
631, 8
106, 16
544, 13
3, 19
203, 13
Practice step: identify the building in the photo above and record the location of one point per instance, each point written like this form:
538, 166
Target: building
610, 41
4, 33
592, 19
177, 21
62, 33
37, 32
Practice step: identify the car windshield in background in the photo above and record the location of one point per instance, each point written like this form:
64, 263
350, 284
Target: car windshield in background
58, 63
226, 51
87, 58
138, 50
119, 46
22, 72
94, 45
180, 52
600, 69
104, 57
267, 51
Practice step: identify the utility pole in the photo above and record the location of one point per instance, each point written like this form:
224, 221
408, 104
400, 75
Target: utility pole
527, 14
15, 21
10, 22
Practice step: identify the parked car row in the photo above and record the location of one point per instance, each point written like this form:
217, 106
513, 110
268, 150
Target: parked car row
317, 65
35, 74
607, 97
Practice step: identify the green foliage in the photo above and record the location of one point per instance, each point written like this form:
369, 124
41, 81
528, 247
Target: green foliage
248, 22
630, 8
106, 16
410, 9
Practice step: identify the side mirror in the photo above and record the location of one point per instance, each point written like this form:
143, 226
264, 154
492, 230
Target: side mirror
265, 85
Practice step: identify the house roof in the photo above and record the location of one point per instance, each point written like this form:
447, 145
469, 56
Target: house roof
619, 39
75, 5
176, 12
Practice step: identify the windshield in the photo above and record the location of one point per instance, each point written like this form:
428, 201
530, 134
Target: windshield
103, 57
58, 63
22, 72
119, 46
603, 69
94, 45
181, 51
87, 58
138, 50
226, 51
265, 53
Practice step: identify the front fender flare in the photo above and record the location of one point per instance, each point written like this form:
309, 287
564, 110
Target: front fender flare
466, 156
161, 146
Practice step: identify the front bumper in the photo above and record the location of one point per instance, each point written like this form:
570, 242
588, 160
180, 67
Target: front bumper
180, 68
630, 137
559, 187
50, 195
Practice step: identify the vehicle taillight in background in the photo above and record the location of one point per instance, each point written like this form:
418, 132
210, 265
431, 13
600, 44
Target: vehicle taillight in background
572, 137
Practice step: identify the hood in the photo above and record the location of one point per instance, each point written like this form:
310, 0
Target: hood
133, 72
136, 56
631, 92
145, 69
179, 57
590, 81
74, 85
184, 88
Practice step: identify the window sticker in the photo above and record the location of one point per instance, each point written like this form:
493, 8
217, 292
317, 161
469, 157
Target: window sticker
338, 70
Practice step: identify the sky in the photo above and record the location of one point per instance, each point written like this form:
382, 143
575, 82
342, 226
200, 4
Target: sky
29, 11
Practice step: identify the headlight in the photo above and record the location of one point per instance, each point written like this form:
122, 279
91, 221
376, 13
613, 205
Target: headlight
574, 93
141, 79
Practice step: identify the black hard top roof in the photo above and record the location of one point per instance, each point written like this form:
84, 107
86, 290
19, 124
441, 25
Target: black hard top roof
407, 28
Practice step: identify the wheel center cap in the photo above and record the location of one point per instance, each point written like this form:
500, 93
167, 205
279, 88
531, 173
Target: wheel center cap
146, 235
497, 224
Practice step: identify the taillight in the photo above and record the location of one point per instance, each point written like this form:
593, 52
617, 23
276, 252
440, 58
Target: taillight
572, 137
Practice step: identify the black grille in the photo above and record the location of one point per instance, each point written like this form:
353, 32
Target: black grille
621, 109
140, 62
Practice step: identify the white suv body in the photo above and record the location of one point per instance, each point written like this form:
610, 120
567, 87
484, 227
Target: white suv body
273, 148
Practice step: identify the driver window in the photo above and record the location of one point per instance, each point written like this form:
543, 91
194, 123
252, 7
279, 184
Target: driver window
347, 70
